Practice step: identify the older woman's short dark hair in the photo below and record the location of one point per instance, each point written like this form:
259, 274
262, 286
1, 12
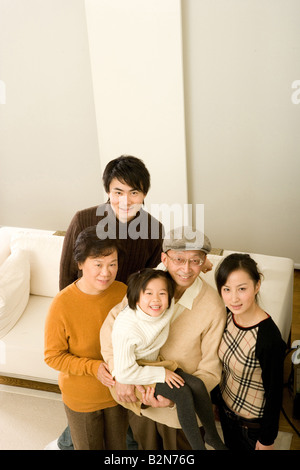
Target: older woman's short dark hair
88, 244
138, 282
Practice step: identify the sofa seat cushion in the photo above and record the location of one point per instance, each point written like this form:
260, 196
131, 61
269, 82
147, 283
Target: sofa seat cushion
14, 289
22, 349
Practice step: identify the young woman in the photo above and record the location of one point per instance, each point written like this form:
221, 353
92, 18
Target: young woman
139, 331
252, 352
72, 345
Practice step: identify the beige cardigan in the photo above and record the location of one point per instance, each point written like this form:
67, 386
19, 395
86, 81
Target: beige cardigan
193, 343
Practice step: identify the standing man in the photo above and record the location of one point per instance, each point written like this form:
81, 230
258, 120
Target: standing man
195, 333
126, 181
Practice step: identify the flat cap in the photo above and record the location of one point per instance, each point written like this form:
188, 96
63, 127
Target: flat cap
186, 238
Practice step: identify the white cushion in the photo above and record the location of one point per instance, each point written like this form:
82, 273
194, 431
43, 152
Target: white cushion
6, 233
44, 257
209, 277
14, 289
5, 236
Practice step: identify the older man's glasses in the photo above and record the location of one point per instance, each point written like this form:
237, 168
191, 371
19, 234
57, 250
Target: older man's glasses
179, 261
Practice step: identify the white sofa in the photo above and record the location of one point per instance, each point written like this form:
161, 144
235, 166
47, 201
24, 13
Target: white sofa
29, 273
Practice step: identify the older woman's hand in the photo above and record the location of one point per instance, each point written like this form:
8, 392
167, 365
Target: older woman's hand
105, 376
125, 392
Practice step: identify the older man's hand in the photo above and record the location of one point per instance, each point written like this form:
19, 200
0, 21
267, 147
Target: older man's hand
207, 266
150, 400
126, 392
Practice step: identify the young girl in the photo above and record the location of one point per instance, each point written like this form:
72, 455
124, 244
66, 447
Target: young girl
252, 352
139, 332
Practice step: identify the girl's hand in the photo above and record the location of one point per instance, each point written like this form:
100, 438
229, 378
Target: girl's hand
105, 376
260, 446
173, 379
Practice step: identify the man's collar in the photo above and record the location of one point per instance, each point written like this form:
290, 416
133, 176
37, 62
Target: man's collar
187, 298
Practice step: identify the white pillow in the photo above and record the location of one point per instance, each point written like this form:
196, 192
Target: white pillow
5, 236
209, 277
44, 257
14, 289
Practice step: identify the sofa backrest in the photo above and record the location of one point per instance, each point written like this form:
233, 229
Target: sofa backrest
209, 277
44, 251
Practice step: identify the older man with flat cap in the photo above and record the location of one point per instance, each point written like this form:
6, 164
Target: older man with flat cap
195, 333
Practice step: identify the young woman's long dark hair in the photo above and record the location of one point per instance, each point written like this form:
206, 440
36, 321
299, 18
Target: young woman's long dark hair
234, 262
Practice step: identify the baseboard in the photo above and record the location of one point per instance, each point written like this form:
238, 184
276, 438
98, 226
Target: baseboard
32, 384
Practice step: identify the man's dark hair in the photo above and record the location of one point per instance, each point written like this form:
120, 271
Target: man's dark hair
129, 170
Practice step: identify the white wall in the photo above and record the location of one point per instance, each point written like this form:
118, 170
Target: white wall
53, 149
73, 103
49, 156
243, 138
136, 58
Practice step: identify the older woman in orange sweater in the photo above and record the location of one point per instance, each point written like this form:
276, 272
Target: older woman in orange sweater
72, 345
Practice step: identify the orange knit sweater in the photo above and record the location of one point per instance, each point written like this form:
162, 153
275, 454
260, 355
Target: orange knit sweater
72, 344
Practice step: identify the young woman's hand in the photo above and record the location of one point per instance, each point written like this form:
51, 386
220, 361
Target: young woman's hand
173, 379
260, 446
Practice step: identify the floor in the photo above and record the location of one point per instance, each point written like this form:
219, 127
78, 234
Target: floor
53, 420
29, 419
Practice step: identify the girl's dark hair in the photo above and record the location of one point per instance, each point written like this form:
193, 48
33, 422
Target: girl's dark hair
234, 262
138, 282
129, 170
89, 244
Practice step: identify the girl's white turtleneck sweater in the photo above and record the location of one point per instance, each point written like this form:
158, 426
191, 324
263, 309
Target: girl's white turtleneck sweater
135, 336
